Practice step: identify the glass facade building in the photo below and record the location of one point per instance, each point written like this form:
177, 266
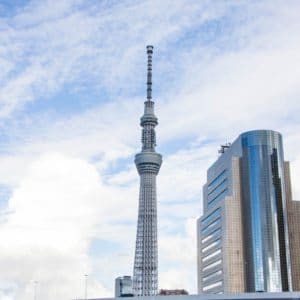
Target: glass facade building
243, 235
264, 212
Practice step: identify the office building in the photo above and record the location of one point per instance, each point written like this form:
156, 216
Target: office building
248, 236
123, 286
148, 162
293, 214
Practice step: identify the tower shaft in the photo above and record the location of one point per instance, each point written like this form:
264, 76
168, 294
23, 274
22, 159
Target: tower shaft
148, 162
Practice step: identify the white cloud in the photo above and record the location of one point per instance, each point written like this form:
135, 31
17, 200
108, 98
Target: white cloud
47, 46
183, 173
56, 208
178, 254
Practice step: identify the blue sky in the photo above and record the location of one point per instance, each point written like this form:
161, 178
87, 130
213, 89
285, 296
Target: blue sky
72, 87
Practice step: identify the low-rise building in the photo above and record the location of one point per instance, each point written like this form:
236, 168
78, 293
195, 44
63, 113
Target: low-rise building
123, 286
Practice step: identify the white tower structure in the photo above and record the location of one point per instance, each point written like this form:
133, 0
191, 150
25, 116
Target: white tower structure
148, 162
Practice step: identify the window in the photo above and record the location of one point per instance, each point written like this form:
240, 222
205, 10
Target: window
217, 198
213, 285
211, 216
213, 234
217, 242
218, 187
217, 179
210, 266
212, 275
205, 229
211, 255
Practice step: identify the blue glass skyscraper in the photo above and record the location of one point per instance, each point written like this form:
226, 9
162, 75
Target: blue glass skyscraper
264, 212
244, 234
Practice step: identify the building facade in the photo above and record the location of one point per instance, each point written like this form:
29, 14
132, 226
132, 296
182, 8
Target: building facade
244, 235
123, 286
148, 162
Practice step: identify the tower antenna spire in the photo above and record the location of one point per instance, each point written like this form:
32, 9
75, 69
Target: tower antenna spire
149, 72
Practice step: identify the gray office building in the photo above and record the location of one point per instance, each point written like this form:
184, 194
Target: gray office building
249, 234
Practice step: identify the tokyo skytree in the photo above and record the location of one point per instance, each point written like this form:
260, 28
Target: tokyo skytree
148, 162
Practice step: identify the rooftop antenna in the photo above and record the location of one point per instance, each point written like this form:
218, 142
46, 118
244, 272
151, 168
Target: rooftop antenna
149, 72
224, 147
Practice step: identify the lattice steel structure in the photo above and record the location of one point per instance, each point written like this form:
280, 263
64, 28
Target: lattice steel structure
148, 162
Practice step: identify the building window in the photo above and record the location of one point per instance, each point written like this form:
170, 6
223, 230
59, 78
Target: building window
213, 234
217, 221
213, 214
211, 255
210, 266
213, 285
217, 242
217, 198
212, 275
217, 179
219, 187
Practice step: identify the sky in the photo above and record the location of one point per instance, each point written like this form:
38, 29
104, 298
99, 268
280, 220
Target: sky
72, 87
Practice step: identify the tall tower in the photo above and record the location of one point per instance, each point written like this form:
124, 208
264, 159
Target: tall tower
148, 163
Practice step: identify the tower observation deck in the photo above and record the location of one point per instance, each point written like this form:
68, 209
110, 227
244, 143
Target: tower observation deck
148, 162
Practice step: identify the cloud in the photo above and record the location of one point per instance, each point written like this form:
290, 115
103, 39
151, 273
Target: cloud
49, 46
48, 235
